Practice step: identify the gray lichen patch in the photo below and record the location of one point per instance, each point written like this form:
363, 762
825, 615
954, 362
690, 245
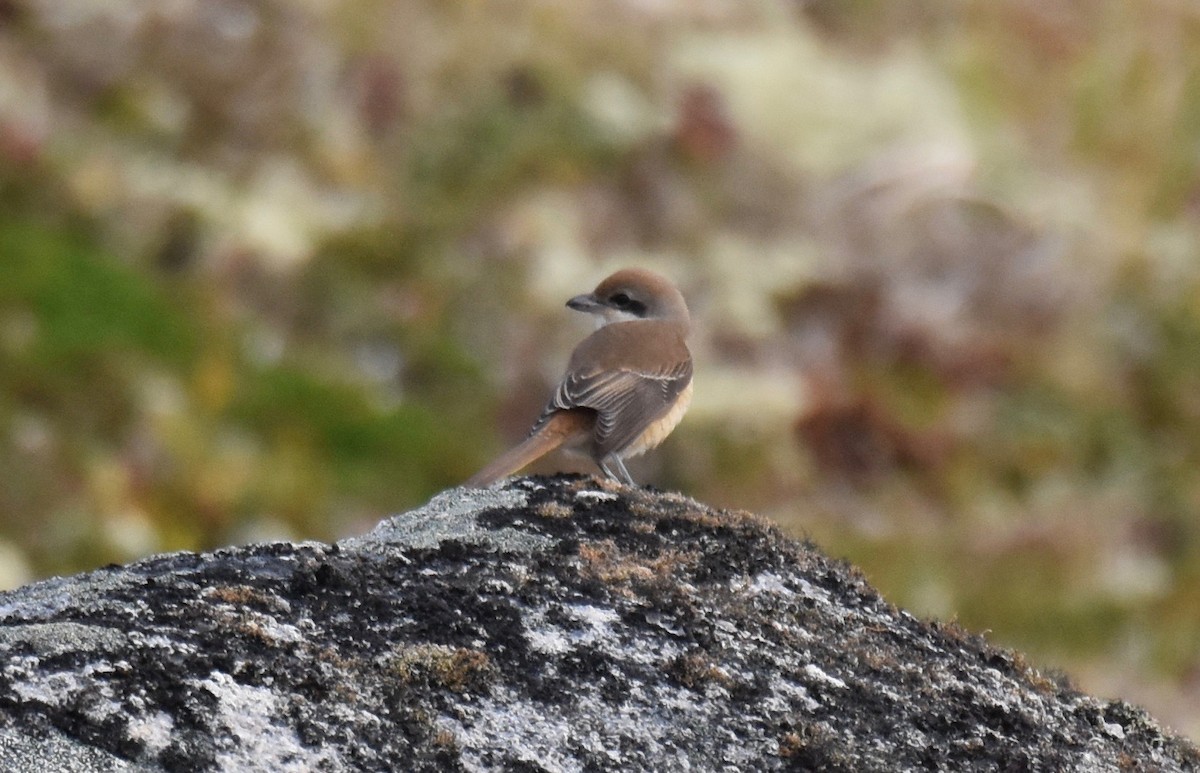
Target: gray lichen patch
49, 640
556, 624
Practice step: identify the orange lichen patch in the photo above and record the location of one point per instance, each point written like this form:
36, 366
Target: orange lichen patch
244, 596
237, 594
241, 612
696, 669
644, 512
331, 655
878, 661
742, 519
642, 527
553, 510
791, 745
599, 482
1046, 683
813, 743
456, 668
604, 561
712, 519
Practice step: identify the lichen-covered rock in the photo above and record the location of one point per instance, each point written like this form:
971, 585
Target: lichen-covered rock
557, 624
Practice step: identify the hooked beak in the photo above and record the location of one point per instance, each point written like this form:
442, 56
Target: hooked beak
587, 303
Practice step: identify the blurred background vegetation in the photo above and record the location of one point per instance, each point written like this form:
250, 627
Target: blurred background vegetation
275, 269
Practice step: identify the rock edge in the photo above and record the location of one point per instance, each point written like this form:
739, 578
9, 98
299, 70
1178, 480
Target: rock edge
555, 624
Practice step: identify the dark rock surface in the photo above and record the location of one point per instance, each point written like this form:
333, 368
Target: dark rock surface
559, 624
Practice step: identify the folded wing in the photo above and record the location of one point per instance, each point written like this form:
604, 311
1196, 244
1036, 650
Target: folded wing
627, 396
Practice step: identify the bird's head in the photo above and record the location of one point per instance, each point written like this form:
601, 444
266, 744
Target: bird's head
632, 294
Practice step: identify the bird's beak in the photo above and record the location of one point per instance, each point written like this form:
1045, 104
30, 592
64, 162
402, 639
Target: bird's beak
588, 303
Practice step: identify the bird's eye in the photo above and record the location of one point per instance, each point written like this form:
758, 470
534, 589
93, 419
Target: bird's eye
623, 303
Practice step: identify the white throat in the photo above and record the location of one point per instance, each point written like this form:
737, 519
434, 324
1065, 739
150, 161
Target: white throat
609, 316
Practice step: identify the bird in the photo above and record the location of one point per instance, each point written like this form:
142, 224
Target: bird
627, 385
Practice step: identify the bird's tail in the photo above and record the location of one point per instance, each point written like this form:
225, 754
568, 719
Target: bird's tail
561, 427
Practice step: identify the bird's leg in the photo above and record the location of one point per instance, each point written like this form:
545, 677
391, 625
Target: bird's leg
624, 472
621, 475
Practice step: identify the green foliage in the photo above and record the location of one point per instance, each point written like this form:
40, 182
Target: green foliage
85, 303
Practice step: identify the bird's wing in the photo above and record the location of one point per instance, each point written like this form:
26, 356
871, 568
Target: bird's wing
626, 399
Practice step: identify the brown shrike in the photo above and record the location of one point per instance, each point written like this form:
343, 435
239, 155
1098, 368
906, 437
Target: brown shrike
627, 385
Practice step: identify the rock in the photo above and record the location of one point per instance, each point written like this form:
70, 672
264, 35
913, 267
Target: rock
557, 624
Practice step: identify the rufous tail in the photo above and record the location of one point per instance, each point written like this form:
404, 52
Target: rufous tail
558, 429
